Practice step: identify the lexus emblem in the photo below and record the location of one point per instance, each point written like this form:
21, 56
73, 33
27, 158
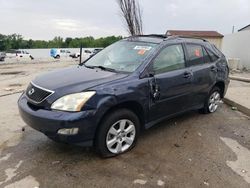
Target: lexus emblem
31, 91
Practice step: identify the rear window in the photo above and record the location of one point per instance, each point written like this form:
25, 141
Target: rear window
195, 54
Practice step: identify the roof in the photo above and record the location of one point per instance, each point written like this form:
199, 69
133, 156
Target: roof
154, 38
158, 38
244, 27
190, 33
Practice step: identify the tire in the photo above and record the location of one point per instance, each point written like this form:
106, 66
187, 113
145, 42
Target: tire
111, 131
212, 101
57, 57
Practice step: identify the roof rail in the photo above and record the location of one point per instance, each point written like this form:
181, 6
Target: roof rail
187, 37
151, 35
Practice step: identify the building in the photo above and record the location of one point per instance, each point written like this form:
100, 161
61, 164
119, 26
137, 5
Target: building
212, 36
236, 46
246, 28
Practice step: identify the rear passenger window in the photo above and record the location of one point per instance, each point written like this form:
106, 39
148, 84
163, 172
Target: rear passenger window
212, 56
195, 54
207, 59
171, 58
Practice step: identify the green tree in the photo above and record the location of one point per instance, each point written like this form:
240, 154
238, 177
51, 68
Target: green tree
16, 41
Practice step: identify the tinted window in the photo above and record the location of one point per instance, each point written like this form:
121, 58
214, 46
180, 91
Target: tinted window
195, 54
212, 56
171, 58
207, 59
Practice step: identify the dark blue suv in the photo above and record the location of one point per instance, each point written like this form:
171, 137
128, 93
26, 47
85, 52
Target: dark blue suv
127, 87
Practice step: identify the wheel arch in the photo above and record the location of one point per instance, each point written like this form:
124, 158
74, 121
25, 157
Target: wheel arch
221, 86
133, 106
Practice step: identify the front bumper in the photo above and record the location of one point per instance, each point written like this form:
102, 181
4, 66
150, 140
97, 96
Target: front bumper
49, 122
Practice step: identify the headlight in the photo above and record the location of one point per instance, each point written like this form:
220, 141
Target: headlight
73, 102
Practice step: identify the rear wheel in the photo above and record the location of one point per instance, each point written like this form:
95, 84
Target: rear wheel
212, 102
118, 133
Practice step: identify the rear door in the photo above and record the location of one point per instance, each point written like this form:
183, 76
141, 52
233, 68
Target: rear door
170, 85
204, 72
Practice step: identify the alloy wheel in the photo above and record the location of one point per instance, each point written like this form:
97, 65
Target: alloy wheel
120, 136
214, 101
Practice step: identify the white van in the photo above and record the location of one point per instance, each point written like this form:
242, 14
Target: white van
58, 53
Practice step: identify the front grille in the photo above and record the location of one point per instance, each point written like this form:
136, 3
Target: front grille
37, 94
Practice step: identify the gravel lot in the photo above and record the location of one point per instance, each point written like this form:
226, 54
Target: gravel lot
192, 150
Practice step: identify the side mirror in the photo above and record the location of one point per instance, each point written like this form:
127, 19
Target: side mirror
151, 73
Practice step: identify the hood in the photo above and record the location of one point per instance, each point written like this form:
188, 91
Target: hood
76, 78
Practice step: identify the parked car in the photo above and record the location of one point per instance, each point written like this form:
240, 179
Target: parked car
58, 53
127, 87
95, 51
86, 53
2, 56
19, 54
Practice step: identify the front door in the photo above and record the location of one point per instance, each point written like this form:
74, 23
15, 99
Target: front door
171, 83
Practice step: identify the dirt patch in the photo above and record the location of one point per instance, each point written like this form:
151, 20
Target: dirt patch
6, 67
15, 85
13, 73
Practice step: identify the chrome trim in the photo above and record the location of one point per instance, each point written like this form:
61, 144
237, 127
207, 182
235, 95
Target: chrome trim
39, 87
42, 87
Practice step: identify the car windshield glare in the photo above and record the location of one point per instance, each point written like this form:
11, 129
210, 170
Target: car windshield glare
122, 56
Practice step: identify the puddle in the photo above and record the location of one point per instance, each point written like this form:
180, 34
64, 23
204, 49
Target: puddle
242, 165
28, 181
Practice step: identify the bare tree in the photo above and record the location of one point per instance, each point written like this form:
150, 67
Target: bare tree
132, 14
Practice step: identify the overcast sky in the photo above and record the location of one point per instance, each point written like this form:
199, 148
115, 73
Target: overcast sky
44, 19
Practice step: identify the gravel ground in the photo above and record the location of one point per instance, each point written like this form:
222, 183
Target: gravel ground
192, 150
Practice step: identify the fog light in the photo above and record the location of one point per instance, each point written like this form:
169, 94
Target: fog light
72, 131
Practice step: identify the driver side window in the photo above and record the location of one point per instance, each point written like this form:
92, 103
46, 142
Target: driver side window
171, 58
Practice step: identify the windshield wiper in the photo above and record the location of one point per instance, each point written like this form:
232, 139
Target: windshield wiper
101, 67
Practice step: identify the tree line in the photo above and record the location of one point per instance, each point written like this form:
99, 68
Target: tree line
16, 41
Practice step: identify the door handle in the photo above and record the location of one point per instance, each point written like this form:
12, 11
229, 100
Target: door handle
213, 68
187, 74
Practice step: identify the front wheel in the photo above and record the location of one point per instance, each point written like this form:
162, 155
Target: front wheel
212, 102
118, 133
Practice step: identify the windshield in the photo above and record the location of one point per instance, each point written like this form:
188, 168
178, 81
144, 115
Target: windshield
124, 56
